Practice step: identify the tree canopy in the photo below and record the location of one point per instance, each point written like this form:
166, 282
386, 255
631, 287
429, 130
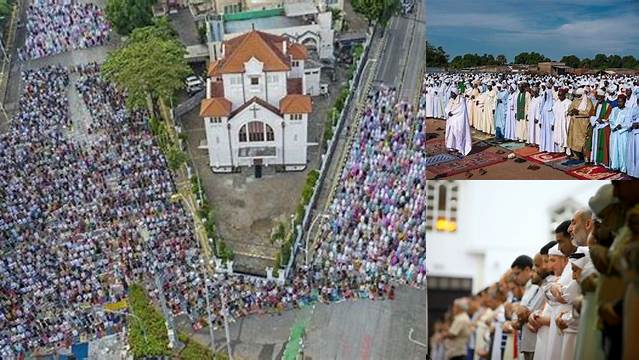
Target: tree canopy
376, 10
531, 58
437, 56
126, 15
151, 63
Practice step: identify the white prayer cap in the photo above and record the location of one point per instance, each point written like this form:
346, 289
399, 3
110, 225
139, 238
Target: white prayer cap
455, 90
601, 92
555, 251
581, 259
579, 91
612, 88
602, 199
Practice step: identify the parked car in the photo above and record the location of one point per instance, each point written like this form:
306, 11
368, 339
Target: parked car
194, 84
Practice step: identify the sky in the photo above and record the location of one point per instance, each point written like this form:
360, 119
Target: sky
551, 27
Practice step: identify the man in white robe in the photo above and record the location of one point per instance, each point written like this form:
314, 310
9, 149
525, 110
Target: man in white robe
599, 122
511, 113
430, 101
534, 115
473, 96
620, 124
438, 107
490, 102
546, 142
562, 122
632, 156
457, 136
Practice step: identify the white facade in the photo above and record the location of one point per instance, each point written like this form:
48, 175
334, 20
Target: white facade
496, 221
249, 116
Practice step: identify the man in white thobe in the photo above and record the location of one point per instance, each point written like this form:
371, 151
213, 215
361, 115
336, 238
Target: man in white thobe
546, 142
457, 136
632, 156
620, 123
562, 122
534, 115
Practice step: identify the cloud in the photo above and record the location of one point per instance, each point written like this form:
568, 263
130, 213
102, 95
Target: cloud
552, 27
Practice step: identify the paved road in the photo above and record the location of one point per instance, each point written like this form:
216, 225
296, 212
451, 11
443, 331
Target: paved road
403, 59
349, 330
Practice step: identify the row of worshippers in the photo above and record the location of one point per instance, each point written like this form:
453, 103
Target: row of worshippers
54, 27
594, 119
81, 194
576, 299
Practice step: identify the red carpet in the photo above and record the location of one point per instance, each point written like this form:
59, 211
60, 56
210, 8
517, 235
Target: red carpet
592, 172
543, 157
435, 146
468, 163
526, 151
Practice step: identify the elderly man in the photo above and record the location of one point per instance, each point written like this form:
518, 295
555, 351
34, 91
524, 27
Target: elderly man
580, 226
459, 331
580, 129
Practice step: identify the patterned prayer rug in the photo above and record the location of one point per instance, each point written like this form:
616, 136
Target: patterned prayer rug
440, 158
467, 163
566, 165
526, 151
544, 158
593, 172
478, 135
512, 145
435, 146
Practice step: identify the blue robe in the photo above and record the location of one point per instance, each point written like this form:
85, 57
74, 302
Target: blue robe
619, 138
500, 114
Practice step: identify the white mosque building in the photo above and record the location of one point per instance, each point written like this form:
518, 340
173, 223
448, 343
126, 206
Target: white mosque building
257, 104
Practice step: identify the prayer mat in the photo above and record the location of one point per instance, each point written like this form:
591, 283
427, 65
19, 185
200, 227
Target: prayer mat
544, 158
512, 145
621, 176
526, 151
592, 172
440, 158
566, 166
462, 165
435, 146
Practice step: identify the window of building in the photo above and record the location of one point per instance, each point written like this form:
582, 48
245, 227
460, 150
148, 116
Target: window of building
295, 63
272, 78
236, 80
441, 209
255, 80
296, 116
216, 120
256, 131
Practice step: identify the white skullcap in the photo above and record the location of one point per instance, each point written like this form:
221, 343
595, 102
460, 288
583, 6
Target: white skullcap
579, 91
455, 90
602, 199
555, 251
612, 88
600, 92
584, 262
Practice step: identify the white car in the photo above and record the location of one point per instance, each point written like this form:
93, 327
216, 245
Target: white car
194, 84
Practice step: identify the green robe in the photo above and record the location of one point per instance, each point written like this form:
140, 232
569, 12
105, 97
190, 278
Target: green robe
601, 155
521, 106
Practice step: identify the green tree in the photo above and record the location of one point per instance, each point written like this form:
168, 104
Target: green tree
147, 333
501, 59
600, 61
436, 57
571, 60
615, 61
532, 58
585, 63
629, 62
150, 64
376, 10
5, 9
126, 15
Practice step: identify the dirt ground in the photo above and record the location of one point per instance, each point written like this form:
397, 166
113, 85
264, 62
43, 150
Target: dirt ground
247, 208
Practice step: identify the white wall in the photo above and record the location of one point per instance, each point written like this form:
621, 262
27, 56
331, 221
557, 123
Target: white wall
295, 140
311, 82
233, 92
497, 221
217, 139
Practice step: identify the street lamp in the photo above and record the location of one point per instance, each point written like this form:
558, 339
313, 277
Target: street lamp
225, 312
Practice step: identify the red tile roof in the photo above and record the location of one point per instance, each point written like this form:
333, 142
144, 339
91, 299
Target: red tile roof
266, 48
217, 106
297, 51
296, 104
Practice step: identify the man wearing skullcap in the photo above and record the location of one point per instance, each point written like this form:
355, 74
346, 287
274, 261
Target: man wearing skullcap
562, 121
580, 128
632, 154
620, 124
500, 111
600, 130
458, 136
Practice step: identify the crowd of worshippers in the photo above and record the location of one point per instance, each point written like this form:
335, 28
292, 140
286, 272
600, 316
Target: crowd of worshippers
75, 212
576, 299
54, 27
594, 119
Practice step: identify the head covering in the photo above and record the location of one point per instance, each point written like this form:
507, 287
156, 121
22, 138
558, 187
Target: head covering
602, 199
600, 92
579, 91
555, 251
454, 90
581, 259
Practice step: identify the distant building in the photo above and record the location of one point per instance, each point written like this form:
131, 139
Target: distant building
257, 103
554, 68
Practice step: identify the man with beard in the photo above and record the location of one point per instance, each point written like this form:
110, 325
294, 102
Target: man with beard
580, 226
580, 129
533, 300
